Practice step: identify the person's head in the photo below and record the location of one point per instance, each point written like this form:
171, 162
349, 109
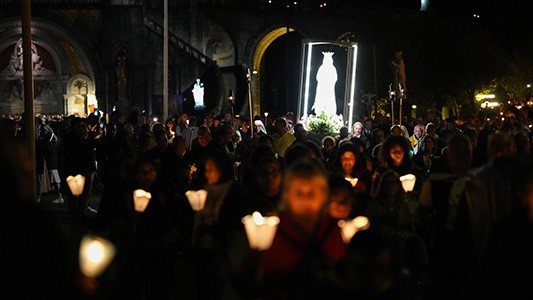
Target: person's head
128, 128
204, 136
430, 129
418, 131
347, 156
389, 186
522, 141
472, 133
459, 154
428, 145
265, 140
299, 132
341, 198
357, 129
396, 130
183, 118
145, 174
259, 127
218, 168
81, 130
328, 143
500, 144
395, 150
305, 190
178, 143
161, 139
343, 132
269, 175
281, 126
378, 136
225, 132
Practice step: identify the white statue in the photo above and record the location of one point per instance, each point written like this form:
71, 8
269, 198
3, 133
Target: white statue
198, 93
326, 77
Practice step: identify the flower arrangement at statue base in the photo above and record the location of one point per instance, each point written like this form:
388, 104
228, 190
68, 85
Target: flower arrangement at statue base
323, 124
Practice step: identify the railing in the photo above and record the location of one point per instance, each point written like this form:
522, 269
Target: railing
197, 54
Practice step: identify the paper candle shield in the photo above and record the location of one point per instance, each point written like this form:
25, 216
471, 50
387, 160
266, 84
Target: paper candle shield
408, 182
196, 199
96, 254
350, 227
141, 199
260, 230
353, 181
76, 184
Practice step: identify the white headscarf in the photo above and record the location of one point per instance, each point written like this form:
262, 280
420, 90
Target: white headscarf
261, 126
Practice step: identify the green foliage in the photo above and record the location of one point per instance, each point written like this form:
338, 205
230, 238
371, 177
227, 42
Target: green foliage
323, 123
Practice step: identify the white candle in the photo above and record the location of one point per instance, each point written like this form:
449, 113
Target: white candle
260, 230
353, 181
96, 254
76, 183
196, 199
408, 182
141, 199
350, 227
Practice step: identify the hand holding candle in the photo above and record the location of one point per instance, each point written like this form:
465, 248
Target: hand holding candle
353, 181
260, 230
76, 184
141, 199
408, 182
96, 254
196, 199
350, 227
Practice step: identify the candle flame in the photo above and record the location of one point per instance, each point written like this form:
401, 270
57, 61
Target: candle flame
258, 218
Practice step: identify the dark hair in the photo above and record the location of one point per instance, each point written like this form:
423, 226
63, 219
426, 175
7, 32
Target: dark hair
391, 141
224, 164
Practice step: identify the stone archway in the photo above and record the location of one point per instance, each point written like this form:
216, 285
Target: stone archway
58, 55
259, 52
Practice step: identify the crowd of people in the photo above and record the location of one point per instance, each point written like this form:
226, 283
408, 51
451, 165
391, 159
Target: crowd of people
456, 235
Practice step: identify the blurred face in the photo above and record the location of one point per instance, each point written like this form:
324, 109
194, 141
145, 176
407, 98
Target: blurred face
339, 205
397, 154
357, 129
418, 131
204, 138
430, 145
391, 185
212, 173
269, 178
146, 176
328, 145
348, 161
306, 196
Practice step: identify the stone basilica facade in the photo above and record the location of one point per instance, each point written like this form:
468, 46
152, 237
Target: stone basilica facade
109, 54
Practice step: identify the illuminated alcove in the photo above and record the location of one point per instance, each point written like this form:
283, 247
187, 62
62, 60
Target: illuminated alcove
320, 82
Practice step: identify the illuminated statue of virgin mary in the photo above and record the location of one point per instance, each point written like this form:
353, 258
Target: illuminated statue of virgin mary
326, 77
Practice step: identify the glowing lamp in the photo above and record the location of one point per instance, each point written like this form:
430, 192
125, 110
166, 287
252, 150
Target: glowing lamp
141, 199
350, 227
260, 230
196, 199
353, 181
76, 183
96, 254
408, 182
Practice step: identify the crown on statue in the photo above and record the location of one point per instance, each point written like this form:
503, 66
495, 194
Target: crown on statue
328, 53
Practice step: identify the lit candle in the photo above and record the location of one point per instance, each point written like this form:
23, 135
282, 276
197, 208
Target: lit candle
76, 183
196, 199
350, 227
353, 181
96, 254
408, 182
260, 230
141, 199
